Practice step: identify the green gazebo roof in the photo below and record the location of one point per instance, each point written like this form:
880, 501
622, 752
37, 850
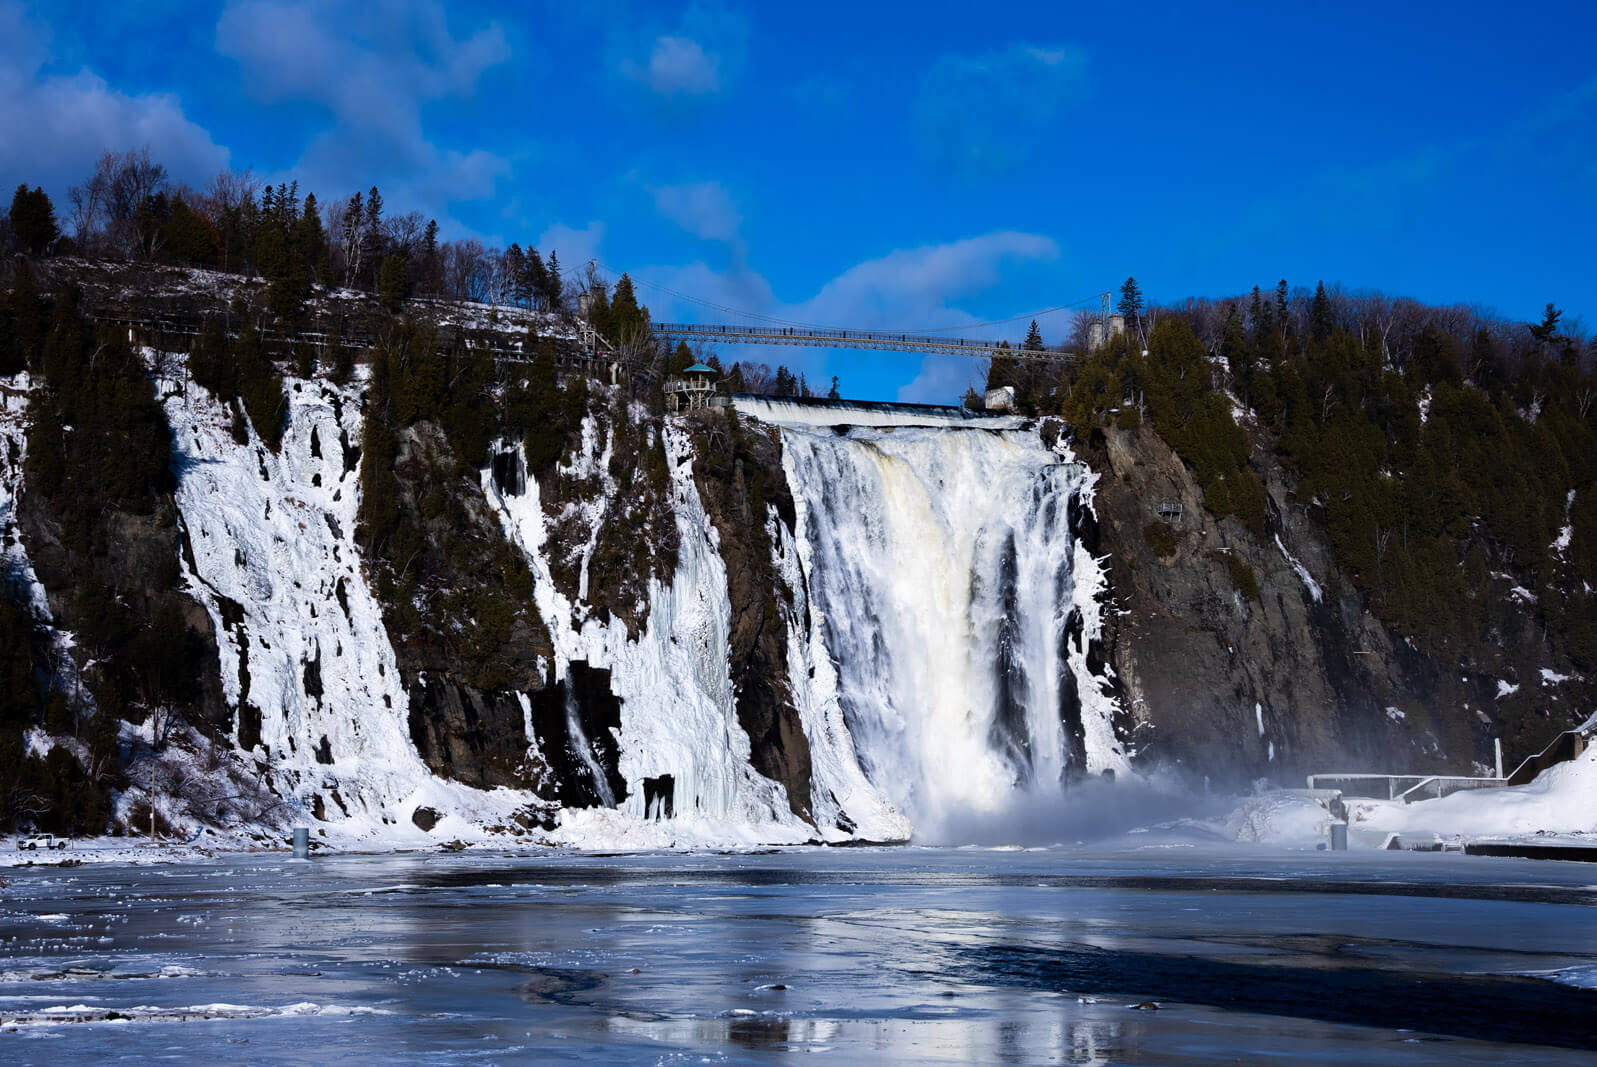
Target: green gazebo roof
699, 368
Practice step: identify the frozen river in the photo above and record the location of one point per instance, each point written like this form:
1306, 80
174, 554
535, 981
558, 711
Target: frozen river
866, 955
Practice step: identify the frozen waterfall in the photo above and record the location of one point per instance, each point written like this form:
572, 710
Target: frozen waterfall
957, 605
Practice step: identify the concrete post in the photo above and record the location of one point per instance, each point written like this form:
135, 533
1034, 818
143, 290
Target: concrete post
1338, 837
1497, 744
302, 843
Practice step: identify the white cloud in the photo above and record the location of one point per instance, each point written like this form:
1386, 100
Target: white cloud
943, 380
981, 115
685, 63
913, 288
908, 289
372, 66
677, 66
53, 127
575, 246
704, 209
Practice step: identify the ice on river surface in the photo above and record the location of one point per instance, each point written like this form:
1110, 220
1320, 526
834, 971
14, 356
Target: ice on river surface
911, 955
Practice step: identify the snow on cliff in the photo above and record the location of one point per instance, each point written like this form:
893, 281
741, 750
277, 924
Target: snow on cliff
678, 715
270, 552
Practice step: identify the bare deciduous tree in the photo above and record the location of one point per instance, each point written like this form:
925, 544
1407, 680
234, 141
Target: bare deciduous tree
105, 205
404, 232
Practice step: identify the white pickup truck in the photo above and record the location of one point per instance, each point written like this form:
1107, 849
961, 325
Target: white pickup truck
34, 842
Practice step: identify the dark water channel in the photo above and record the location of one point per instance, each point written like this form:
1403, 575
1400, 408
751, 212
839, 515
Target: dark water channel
1171, 956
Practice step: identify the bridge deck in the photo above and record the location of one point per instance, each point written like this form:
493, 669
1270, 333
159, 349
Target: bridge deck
867, 339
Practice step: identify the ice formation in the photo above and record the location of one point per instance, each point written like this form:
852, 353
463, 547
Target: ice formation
270, 552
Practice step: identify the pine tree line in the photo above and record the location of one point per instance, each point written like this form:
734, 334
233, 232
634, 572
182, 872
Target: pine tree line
129, 209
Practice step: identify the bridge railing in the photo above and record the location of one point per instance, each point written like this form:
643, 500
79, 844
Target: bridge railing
789, 334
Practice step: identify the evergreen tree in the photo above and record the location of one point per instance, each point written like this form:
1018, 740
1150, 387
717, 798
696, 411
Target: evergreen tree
1265, 339
310, 239
1547, 330
543, 436
28, 319
535, 281
1002, 370
33, 220
1237, 353
371, 232
832, 393
393, 284
599, 307
260, 387
210, 362
681, 359
187, 237
342, 355
1130, 305
628, 321
1033, 338
515, 272
353, 237
1320, 322
431, 280
554, 286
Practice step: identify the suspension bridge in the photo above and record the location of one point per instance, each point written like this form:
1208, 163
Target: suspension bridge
758, 329
879, 340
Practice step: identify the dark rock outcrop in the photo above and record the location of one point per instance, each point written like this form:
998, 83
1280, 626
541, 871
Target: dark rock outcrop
739, 474
135, 565
466, 636
467, 734
565, 775
1228, 664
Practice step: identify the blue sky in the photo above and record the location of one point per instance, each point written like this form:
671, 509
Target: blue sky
897, 166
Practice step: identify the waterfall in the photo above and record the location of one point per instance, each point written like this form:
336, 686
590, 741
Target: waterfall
583, 748
958, 607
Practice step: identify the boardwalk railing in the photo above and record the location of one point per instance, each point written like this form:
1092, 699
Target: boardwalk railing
1405, 787
869, 339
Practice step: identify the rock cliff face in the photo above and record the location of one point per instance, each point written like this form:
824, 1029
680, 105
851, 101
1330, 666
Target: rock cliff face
786, 628
115, 588
739, 475
463, 671
1242, 656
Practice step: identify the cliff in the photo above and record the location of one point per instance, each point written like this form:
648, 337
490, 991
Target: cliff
1243, 657
440, 596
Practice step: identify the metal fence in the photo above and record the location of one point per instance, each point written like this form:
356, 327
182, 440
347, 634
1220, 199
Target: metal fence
1405, 787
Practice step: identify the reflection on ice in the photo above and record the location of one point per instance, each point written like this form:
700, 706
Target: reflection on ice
910, 955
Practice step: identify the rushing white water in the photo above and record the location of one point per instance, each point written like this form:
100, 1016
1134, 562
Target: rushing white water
584, 750
957, 607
